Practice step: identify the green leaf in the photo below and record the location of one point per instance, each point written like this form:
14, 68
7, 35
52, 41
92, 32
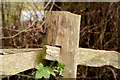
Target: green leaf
57, 78
33, 74
46, 74
50, 70
54, 67
38, 74
42, 73
59, 64
61, 72
39, 67
46, 71
28, 77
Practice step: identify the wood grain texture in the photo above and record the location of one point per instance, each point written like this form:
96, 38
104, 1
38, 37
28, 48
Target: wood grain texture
14, 63
17, 60
63, 30
0, 14
90, 57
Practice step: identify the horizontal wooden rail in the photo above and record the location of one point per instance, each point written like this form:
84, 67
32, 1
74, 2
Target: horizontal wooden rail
89, 57
17, 60
98, 58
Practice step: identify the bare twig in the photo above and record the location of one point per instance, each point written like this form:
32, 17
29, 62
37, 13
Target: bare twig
24, 75
52, 5
37, 27
19, 31
112, 72
58, 7
112, 38
43, 21
97, 26
9, 29
47, 4
27, 29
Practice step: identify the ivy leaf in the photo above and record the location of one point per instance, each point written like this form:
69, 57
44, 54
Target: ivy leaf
61, 72
46, 71
60, 65
42, 73
39, 67
54, 67
38, 74
46, 74
50, 70
33, 74
28, 77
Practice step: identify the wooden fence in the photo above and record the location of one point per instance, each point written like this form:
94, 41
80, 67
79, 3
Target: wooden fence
62, 31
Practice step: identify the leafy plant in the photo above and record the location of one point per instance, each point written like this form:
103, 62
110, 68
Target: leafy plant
44, 71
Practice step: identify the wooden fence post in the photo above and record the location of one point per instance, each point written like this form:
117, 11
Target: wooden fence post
0, 25
63, 30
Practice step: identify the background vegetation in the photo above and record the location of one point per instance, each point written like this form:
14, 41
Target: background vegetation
99, 29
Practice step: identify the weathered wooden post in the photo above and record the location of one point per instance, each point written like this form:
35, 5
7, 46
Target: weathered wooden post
63, 30
0, 24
